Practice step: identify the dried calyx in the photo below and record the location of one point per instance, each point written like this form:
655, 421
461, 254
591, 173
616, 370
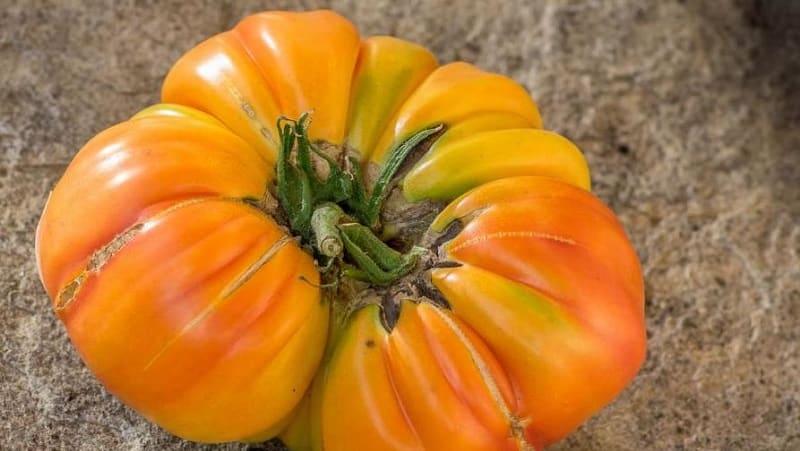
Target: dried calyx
338, 215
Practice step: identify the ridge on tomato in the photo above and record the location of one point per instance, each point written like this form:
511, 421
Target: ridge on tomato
346, 245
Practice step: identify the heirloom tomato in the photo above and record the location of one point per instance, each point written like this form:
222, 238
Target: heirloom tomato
338, 241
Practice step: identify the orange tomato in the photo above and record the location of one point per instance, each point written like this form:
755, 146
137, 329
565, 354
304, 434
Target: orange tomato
223, 315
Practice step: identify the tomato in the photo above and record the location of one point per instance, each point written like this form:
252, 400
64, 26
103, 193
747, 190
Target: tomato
338, 241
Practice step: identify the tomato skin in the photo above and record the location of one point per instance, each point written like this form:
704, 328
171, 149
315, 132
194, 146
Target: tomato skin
441, 98
430, 383
277, 62
550, 281
131, 170
540, 333
143, 246
525, 151
176, 314
388, 71
195, 307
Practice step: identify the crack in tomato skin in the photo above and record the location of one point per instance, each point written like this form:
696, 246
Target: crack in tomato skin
257, 265
516, 424
101, 256
237, 283
509, 234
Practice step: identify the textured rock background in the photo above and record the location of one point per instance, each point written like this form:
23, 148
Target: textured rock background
687, 111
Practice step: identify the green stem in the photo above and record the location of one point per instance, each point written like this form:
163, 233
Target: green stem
310, 204
358, 196
326, 234
304, 148
396, 158
295, 193
375, 262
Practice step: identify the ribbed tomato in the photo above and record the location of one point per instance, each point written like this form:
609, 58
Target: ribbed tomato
336, 240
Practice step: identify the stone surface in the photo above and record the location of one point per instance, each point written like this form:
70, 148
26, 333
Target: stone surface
687, 111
